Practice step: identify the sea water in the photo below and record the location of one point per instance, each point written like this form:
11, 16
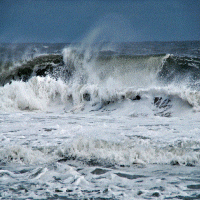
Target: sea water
100, 121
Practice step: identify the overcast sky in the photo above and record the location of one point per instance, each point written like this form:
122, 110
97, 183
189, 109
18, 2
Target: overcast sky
116, 20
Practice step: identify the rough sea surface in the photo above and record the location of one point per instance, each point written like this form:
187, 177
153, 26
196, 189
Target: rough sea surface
100, 121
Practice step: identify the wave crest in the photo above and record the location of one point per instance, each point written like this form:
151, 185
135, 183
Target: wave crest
36, 94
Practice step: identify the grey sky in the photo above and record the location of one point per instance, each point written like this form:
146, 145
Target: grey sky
117, 20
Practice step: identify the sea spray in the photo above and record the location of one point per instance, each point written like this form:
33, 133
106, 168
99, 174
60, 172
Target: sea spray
116, 123
36, 94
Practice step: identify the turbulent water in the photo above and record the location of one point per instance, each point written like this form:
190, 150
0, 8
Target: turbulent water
100, 121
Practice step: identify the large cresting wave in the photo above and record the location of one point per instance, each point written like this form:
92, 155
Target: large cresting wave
99, 77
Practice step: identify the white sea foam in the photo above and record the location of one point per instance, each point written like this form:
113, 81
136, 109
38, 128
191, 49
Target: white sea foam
36, 94
39, 92
111, 129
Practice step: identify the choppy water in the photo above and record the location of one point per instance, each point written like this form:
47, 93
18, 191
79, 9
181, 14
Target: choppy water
100, 121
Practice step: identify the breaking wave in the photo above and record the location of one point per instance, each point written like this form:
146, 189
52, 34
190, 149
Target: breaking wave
101, 76
135, 150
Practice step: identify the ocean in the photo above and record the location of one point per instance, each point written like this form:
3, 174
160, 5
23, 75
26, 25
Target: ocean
100, 120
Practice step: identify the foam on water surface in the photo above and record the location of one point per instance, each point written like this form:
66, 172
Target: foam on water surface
101, 124
98, 155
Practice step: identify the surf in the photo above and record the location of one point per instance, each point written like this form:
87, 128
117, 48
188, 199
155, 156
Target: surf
99, 75
100, 114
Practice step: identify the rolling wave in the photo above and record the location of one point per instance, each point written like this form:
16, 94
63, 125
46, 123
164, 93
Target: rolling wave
101, 78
